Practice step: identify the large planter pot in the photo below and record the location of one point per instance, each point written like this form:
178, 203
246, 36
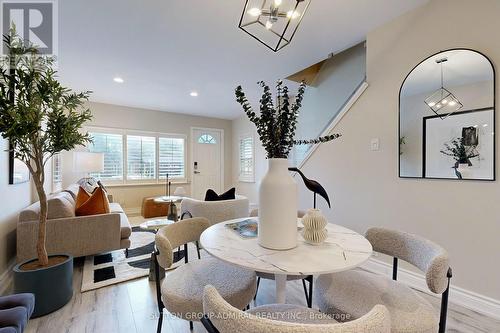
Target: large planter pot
278, 207
52, 286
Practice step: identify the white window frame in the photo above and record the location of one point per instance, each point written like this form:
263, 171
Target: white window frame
246, 178
157, 135
57, 183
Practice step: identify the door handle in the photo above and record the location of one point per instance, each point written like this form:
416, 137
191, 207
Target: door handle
197, 172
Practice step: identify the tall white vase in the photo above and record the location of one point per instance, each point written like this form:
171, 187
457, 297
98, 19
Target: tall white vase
278, 207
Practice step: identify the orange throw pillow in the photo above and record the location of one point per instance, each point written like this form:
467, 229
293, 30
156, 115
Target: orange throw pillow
97, 204
81, 197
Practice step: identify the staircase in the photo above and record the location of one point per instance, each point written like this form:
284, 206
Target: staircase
334, 85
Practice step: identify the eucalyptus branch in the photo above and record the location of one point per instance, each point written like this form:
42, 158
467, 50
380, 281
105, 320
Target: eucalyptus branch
276, 125
319, 140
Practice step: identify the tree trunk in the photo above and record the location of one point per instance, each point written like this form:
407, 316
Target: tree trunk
40, 245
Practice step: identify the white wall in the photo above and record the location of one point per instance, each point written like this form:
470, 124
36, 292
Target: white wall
114, 116
461, 216
337, 80
13, 198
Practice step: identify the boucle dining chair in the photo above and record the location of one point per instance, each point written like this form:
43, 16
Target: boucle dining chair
181, 292
308, 292
221, 317
215, 211
355, 292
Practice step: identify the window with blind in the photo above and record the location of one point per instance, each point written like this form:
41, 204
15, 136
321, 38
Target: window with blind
111, 145
141, 157
56, 173
132, 157
171, 157
247, 173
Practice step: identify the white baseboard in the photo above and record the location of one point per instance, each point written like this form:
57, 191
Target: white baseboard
6, 279
132, 211
468, 299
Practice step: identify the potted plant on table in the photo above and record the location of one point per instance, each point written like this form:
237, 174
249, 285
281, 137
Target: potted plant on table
276, 125
40, 118
461, 153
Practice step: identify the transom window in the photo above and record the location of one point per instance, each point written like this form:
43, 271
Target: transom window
207, 139
139, 157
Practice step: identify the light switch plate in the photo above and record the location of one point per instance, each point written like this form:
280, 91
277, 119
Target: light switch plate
375, 144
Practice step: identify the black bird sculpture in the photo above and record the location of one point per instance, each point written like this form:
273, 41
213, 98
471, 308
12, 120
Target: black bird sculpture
313, 186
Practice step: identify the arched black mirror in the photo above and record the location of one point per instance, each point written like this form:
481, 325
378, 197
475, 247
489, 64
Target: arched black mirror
447, 118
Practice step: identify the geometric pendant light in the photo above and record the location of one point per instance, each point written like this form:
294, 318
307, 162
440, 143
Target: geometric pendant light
273, 22
442, 102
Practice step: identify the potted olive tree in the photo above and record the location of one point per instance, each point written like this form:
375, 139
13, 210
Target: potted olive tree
40, 118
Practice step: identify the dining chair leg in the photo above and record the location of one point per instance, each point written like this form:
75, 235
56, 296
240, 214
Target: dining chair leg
160, 321
257, 289
444, 304
305, 291
198, 249
310, 278
158, 290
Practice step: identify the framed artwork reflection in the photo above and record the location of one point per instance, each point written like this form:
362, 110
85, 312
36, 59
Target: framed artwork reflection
461, 146
18, 171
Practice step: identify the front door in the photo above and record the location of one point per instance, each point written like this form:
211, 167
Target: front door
207, 166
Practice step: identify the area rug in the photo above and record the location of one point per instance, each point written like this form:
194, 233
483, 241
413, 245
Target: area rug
114, 267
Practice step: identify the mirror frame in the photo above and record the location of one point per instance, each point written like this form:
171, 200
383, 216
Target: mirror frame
494, 119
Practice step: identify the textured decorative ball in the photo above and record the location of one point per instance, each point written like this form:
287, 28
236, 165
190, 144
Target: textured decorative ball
314, 223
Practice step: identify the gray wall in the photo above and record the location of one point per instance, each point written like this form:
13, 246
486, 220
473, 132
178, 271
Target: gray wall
461, 216
13, 198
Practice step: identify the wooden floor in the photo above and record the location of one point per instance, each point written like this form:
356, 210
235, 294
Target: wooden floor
131, 307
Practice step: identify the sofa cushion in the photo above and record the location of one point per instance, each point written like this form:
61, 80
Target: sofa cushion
125, 229
97, 204
61, 205
115, 207
73, 190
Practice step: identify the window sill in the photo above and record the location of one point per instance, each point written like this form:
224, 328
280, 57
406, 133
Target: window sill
246, 181
184, 182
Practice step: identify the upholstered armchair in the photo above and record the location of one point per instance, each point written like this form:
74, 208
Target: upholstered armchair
216, 211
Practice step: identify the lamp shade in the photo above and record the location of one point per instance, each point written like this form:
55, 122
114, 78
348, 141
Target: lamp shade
88, 162
180, 191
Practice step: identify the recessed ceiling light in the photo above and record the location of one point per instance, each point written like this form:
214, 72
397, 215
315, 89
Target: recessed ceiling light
118, 79
193, 94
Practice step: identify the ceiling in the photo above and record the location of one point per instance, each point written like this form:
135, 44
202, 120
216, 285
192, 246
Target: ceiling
165, 49
463, 67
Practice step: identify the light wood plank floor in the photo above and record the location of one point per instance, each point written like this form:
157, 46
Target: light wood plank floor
131, 307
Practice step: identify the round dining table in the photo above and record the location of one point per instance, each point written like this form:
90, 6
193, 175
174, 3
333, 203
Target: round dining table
343, 250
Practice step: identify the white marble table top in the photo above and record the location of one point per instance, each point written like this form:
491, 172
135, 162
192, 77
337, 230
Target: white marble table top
343, 250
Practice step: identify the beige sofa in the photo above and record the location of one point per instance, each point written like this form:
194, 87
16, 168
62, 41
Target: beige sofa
70, 234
